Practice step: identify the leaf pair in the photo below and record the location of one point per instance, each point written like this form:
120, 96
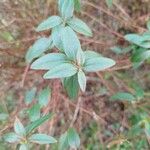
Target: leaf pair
140, 52
43, 98
58, 36
69, 138
140, 40
21, 134
60, 67
18, 135
57, 24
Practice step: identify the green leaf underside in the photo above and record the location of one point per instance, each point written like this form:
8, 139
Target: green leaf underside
19, 128
30, 95
139, 92
56, 36
34, 112
49, 61
39, 47
80, 26
82, 80
49, 23
147, 128
80, 57
66, 8
148, 25
61, 71
37, 123
121, 50
89, 54
60, 3
63, 142
12, 137
70, 42
109, 3
24, 147
44, 97
3, 116
98, 64
117, 50
123, 96
42, 139
72, 86
73, 138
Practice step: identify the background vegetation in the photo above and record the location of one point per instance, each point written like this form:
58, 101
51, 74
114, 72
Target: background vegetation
113, 113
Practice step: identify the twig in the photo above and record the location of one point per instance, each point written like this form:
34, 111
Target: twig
24, 75
90, 113
76, 112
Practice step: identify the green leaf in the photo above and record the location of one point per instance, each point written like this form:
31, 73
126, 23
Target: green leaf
145, 44
82, 80
77, 5
34, 112
80, 57
42, 139
123, 96
109, 3
30, 95
97, 64
49, 23
147, 128
63, 142
145, 55
66, 8
72, 86
80, 26
56, 36
11, 137
37, 123
148, 25
24, 147
49, 61
38, 48
61, 71
139, 92
19, 128
3, 116
133, 38
60, 3
89, 54
44, 97
136, 54
119, 50
73, 138
71, 43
